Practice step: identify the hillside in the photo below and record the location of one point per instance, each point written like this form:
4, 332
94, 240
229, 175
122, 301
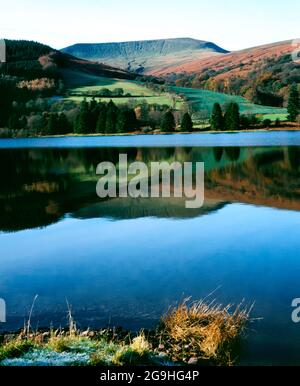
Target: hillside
29, 60
146, 56
247, 57
133, 91
35, 71
261, 74
39, 83
202, 101
24, 50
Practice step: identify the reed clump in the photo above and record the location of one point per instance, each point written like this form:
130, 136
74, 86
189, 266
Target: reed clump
195, 331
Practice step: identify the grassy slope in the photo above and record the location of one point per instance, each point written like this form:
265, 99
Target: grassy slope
249, 58
160, 100
84, 83
76, 80
204, 100
80, 82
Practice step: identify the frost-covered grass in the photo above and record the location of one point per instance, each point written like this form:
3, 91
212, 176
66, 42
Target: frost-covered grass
57, 351
78, 351
139, 352
44, 357
71, 343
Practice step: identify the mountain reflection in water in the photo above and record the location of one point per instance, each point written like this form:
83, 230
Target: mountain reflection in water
41, 186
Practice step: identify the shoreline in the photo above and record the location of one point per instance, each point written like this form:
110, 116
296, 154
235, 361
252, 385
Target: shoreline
189, 334
295, 128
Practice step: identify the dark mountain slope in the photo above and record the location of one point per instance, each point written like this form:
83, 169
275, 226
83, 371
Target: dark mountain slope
29, 60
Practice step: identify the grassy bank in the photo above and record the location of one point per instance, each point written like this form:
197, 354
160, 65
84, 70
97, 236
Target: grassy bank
192, 333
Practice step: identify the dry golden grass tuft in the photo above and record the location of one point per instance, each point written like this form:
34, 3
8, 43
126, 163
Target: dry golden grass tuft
196, 331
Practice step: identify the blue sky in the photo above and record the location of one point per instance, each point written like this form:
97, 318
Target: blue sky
233, 24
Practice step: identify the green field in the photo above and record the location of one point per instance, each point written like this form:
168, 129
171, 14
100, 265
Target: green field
129, 86
163, 99
80, 83
205, 99
273, 117
74, 79
201, 100
160, 100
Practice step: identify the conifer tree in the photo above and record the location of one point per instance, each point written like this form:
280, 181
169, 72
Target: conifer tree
168, 122
101, 120
232, 117
126, 121
293, 103
63, 125
82, 120
186, 123
52, 124
111, 117
217, 119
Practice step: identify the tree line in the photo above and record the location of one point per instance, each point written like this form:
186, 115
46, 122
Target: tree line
230, 120
41, 116
108, 118
100, 117
93, 117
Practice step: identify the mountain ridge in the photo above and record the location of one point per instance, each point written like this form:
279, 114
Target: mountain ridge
145, 55
251, 53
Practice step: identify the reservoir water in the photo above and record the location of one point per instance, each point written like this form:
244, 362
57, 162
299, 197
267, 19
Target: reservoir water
124, 261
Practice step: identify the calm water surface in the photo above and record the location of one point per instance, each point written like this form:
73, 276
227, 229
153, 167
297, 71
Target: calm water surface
125, 261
